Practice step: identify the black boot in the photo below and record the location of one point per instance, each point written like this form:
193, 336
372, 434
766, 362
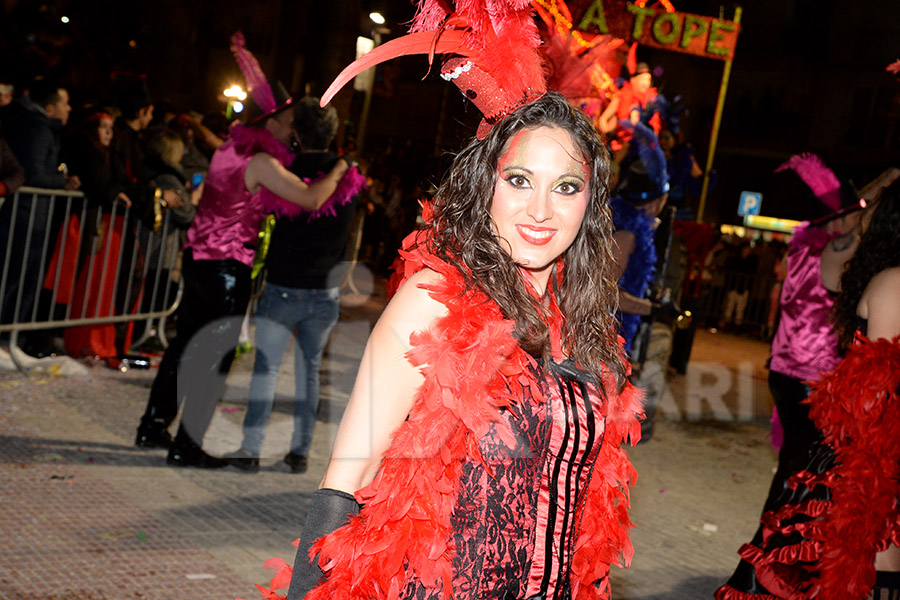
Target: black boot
153, 434
186, 453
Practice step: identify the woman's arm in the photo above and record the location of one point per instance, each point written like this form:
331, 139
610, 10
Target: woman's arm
609, 120
386, 385
265, 170
622, 249
880, 305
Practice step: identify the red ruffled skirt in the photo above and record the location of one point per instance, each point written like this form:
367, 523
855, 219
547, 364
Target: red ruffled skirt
821, 540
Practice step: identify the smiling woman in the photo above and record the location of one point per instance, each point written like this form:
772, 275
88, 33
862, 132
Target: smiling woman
540, 199
492, 394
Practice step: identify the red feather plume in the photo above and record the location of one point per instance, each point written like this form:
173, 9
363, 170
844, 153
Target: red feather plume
499, 37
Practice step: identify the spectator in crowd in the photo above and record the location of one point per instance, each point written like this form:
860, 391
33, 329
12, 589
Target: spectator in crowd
12, 175
32, 126
174, 206
7, 90
714, 276
740, 271
91, 247
193, 162
303, 275
134, 100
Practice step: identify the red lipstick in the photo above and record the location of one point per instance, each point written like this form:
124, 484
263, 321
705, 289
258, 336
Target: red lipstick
536, 236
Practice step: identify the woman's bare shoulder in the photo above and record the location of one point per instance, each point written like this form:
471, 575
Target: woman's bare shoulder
413, 305
886, 282
880, 304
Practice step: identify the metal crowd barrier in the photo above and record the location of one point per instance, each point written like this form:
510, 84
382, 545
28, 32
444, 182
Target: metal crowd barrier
730, 294
65, 262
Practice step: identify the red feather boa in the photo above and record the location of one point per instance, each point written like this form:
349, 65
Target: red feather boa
471, 363
857, 407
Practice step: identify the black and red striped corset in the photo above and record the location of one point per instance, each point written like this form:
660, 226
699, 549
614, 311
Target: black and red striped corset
577, 428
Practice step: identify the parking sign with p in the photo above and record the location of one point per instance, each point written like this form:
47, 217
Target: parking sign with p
750, 204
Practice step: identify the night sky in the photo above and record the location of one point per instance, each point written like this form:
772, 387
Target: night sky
808, 75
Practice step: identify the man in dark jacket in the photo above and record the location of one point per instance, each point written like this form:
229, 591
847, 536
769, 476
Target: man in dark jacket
134, 100
32, 126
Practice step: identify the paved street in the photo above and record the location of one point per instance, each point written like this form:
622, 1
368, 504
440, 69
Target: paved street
88, 516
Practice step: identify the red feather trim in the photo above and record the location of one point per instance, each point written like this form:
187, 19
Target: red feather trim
856, 406
404, 530
427, 42
631, 61
499, 36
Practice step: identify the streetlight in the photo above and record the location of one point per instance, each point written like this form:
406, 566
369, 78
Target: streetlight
234, 97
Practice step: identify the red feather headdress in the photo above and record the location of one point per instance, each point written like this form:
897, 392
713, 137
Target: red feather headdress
580, 65
492, 47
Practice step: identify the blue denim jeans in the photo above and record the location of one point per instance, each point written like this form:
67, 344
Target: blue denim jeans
310, 315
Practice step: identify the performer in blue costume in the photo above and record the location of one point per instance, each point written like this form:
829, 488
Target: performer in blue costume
642, 194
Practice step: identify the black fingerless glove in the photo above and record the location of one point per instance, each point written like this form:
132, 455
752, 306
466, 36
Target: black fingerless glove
328, 510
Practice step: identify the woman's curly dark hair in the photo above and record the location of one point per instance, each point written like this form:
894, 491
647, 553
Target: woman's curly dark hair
462, 234
879, 249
